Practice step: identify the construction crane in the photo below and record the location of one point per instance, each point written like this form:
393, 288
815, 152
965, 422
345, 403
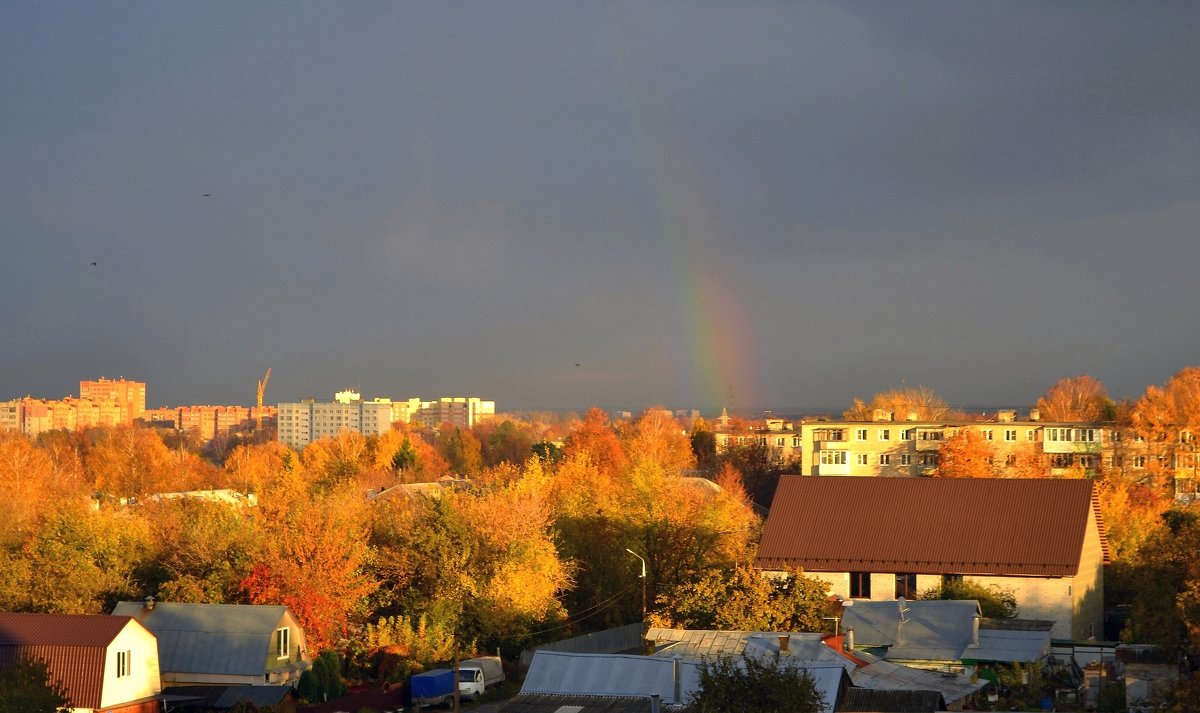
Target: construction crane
262, 386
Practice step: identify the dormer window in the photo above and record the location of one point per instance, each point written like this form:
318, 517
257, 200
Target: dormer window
282, 643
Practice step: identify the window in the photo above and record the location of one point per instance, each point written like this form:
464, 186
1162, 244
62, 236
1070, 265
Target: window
1060, 460
905, 459
860, 459
906, 586
1031, 436
282, 645
829, 434
860, 434
860, 585
1010, 434
987, 434
885, 459
929, 459
780, 441
833, 457
1010, 460
1085, 435
885, 434
123, 658
907, 434
931, 435
949, 580
795, 441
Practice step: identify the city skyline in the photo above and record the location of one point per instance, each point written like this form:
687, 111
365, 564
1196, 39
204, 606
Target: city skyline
744, 205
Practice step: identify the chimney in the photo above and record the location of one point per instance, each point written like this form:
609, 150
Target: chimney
848, 642
785, 641
912, 416
655, 703
1006, 415
149, 603
881, 414
1035, 415
975, 632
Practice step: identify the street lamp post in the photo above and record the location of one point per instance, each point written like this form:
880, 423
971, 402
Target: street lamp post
643, 581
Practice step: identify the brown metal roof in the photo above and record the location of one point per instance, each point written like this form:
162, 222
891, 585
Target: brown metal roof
927, 525
73, 646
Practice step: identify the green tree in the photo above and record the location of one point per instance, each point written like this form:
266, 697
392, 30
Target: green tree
26, 686
994, 602
323, 682
754, 685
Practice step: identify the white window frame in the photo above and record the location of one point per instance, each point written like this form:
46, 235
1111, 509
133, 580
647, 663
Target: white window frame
1010, 435
833, 457
283, 644
885, 459
885, 434
861, 459
124, 659
860, 434
905, 459
987, 434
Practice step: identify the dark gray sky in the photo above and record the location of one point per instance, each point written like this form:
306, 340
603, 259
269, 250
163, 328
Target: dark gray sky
761, 204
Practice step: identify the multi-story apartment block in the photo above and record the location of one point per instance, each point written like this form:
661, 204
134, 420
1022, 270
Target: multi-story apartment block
34, 416
303, 422
131, 394
887, 447
460, 411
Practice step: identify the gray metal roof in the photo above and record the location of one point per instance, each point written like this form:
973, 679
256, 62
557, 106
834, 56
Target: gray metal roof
697, 644
226, 639
924, 631
887, 676
611, 675
615, 675
1010, 646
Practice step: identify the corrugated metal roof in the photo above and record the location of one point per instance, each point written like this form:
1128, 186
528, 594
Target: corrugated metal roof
73, 646
931, 630
885, 675
928, 525
576, 704
869, 700
226, 639
695, 645
222, 697
611, 675
554, 673
1010, 646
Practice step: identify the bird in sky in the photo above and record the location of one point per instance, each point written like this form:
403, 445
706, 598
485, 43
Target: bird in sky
207, 195
94, 264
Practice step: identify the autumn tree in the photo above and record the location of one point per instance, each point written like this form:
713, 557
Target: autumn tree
595, 438
461, 449
1168, 418
78, 561
314, 562
1076, 398
919, 401
966, 454
255, 468
129, 462
742, 598
506, 442
658, 441
26, 479
332, 462
202, 550
1164, 586
409, 456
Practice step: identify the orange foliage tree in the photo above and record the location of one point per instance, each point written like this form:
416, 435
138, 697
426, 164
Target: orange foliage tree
314, 563
1168, 418
1076, 398
966, 454
595, 438
918, 400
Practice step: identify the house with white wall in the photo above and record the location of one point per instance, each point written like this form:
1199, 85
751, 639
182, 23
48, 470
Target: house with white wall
104, 663
223, 644
883, 538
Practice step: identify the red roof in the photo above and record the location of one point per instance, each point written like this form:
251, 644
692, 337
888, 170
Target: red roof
928, 525
73, 646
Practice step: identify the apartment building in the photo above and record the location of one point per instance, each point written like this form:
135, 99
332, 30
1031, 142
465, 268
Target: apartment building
460, 411
303, 422
35, 416
130, 394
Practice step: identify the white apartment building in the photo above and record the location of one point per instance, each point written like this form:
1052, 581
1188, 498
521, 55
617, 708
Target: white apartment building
306, 421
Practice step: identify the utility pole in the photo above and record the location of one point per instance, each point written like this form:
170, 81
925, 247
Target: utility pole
643, 560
